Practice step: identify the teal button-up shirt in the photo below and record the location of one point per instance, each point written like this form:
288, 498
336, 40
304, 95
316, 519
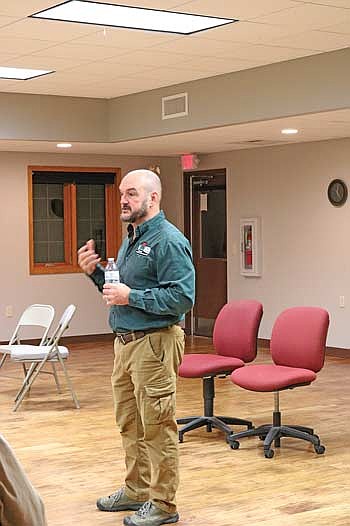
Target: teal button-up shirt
157, 266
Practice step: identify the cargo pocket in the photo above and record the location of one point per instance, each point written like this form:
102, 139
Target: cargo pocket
159, 401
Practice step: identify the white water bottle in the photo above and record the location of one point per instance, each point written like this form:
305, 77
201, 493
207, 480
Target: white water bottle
111, 271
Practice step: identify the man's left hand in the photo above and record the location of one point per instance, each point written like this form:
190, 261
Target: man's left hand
116, 293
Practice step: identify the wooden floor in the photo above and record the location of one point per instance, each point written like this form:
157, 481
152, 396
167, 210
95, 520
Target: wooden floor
73, 456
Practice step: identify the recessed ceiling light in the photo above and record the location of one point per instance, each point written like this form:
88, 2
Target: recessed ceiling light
64, 145
289, 131
97, 13
22, 73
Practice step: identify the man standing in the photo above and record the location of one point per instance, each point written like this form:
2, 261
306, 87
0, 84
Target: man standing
156, 290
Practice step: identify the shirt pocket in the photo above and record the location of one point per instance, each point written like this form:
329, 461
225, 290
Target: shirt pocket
159, 401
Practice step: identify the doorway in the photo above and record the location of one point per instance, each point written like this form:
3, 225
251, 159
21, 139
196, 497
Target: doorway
205, 227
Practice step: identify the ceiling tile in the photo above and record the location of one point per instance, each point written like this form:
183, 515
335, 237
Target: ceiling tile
5, 20
150, 58
24, 8
331, 3
125, 69
199, 45
307, 17
6, 85
97, 70
224, 49
37, 29
151, 4
269, 54
241, 9
77, 51
125, 38
38, 62
5, 56
23, 46
317, 40
216, 66
342, 29
177, 75
247, 32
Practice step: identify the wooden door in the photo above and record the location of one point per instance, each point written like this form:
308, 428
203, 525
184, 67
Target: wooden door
205, 194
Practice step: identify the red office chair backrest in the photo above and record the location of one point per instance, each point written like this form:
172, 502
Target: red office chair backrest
298, 338
236, 329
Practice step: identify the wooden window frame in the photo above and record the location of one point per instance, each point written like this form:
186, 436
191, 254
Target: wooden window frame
113, 223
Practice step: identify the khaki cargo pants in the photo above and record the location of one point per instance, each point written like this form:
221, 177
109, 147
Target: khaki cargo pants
144, 390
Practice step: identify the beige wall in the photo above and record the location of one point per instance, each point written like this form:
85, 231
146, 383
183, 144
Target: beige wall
172, 200
306, 253
18, 288
305, 240
47, 117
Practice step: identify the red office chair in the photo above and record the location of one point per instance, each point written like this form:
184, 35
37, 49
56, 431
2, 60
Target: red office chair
235, 341
297, 348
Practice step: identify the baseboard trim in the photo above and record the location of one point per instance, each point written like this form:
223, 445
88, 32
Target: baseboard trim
86, 338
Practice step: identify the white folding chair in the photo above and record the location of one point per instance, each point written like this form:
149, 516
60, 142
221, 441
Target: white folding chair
34, 316
39, 355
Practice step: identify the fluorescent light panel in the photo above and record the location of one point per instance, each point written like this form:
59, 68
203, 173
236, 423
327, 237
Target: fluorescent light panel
130, 17
22, 73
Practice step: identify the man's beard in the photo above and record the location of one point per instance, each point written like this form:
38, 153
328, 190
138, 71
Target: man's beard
138, 214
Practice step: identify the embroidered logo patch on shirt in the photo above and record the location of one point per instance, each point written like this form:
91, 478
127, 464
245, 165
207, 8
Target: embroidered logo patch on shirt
143, 249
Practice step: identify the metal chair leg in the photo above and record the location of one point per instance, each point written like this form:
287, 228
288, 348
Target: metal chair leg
27, 384
54, 372
26, 379
69, 383
3, 360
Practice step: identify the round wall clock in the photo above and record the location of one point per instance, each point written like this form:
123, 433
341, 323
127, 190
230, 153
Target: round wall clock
337, 192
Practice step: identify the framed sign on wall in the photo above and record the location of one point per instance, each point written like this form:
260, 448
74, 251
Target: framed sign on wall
250, 244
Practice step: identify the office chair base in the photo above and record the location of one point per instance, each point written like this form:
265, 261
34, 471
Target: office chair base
270, 434
209, 419
219, 422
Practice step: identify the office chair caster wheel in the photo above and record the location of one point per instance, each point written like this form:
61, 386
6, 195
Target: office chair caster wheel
269, 453
320, 449
181, 438
234, 444
262, 437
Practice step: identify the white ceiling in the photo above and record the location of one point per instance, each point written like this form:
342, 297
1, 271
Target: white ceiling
90, 61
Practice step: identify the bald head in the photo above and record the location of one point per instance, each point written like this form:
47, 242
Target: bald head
148, 180
140, 194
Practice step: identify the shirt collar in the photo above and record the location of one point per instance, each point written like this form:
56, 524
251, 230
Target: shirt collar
143, 227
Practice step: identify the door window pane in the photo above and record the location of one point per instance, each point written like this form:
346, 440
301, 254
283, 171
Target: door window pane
213, 225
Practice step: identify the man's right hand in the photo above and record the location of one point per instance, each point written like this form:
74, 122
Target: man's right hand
87, 257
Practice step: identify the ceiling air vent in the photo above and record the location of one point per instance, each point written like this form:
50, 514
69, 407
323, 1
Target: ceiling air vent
175, 106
